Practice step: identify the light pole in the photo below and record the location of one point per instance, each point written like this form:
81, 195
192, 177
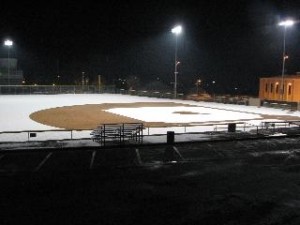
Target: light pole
176, 30
198, 83
82, 79
8, 43
285, 24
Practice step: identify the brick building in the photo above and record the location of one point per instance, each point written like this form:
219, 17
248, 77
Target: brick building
270, 88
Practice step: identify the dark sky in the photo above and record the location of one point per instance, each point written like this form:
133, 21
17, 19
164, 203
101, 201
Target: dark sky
231, 42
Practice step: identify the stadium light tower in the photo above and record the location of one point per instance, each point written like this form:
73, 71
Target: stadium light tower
9, 44
176, 30
284, 24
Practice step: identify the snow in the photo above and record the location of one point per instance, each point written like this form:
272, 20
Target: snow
15, 111
170, 115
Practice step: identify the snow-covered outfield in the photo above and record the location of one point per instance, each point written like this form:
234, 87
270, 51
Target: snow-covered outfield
15, 111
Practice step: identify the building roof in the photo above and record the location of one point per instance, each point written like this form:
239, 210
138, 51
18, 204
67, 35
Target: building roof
296, 76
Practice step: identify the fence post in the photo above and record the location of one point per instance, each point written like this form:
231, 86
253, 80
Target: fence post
231, 127
170, 137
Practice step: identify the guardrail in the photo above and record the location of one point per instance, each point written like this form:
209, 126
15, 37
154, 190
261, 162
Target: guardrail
60, 134
35, 142
265, 128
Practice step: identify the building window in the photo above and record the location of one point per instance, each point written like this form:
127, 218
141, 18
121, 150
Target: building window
266, 88
271, 88
290, 89
277, 88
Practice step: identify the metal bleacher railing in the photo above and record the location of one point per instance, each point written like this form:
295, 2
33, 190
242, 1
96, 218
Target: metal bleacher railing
118, 132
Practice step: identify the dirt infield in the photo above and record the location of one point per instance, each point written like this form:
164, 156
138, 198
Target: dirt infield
90, 116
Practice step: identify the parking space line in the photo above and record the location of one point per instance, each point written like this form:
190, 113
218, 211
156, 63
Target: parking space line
92, 159
138, 156
43, 162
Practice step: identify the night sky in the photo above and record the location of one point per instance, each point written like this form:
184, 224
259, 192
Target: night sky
230, 42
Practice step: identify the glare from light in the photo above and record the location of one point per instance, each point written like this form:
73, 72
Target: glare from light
177, 30
287, 23
8, 43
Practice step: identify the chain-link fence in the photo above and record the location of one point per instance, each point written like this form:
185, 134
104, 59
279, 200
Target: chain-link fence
50, 89
80, 89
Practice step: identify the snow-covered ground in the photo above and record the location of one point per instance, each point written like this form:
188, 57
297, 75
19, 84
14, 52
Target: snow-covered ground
15, 111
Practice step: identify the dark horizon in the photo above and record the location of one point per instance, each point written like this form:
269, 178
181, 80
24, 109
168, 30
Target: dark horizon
232, 43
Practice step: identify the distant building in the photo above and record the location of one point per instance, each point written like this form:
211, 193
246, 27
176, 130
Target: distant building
9, 74
270, 88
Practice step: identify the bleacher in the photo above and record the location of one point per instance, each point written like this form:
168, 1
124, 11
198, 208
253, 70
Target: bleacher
118, 132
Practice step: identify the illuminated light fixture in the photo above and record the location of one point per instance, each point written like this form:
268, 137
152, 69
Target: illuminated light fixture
8, 43
287, 23
176, 30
